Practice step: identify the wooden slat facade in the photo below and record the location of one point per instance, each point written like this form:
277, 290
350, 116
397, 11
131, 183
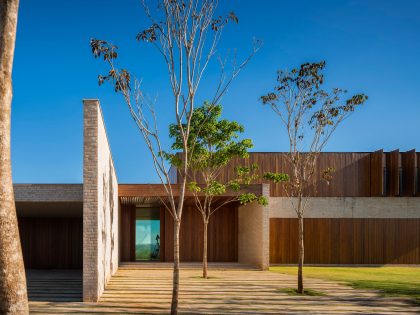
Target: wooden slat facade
377, 178
222, 235
409, 173
346, 241
357, 174
51, 243
393, 165
128, 233
418, 175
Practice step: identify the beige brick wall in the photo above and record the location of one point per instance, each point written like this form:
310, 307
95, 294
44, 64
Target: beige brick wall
100, 205
349, 207
253, 234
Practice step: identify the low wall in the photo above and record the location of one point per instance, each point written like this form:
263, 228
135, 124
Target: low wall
100, 205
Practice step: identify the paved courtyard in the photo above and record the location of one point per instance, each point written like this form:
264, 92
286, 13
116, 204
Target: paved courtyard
231, 290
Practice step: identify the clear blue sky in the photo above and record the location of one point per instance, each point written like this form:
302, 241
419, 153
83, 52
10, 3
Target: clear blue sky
369, 46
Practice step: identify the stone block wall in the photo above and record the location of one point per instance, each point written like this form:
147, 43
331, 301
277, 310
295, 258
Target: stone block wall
100, 205
349, 207
253, 233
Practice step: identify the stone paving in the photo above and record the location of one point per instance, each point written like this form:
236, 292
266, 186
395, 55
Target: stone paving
147, 290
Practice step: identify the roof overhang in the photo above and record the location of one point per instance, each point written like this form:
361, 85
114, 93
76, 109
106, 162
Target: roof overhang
49, 200
153, 194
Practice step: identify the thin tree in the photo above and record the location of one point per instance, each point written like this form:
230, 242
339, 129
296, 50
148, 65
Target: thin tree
213, 144
310, 116
13, 296
186, 35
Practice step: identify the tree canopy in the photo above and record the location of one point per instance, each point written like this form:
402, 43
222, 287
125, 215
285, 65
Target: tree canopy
213, 143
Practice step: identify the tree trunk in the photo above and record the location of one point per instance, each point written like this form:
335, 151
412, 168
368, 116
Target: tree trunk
13, 296
175, 285
301, 255
205, 250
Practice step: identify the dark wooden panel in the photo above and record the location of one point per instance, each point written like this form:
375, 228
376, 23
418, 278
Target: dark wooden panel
418, 175
377, 173
393, 163
222, 235
128, 233
51, 243
357, 174
352, 176
347, 241
409, 165
162, 233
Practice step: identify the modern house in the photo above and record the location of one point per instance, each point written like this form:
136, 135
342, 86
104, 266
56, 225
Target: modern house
368, 214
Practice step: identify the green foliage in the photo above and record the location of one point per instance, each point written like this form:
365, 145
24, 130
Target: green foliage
214, 188
173, 158
193, 187
247, 175
390, 281
234, 185
262, 200
276, 177
247, 198
213, 142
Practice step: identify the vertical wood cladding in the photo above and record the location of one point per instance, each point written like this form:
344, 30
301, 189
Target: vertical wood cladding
51, 243
392, 173
357, 174
222, 235
418, 175
409, 172
347, 241
377, 164
128, 233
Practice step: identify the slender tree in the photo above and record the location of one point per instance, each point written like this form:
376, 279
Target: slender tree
186, 34
13, 296
212, 145
310, 116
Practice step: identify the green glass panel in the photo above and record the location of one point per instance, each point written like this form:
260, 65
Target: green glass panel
147, 235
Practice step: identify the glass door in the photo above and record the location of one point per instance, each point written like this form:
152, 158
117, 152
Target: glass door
147, 233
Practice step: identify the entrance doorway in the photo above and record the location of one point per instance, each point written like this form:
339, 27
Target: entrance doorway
147, 234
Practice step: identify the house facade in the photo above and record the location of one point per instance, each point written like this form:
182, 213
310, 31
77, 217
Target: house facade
368, 214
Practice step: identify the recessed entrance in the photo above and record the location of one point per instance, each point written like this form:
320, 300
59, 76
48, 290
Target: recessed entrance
147, 234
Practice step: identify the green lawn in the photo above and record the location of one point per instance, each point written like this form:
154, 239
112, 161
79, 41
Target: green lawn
391, 281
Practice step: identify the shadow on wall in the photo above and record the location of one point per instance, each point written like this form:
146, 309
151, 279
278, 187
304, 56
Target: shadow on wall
108, 224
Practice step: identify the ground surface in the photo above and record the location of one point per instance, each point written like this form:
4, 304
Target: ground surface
231, 291
391, 281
